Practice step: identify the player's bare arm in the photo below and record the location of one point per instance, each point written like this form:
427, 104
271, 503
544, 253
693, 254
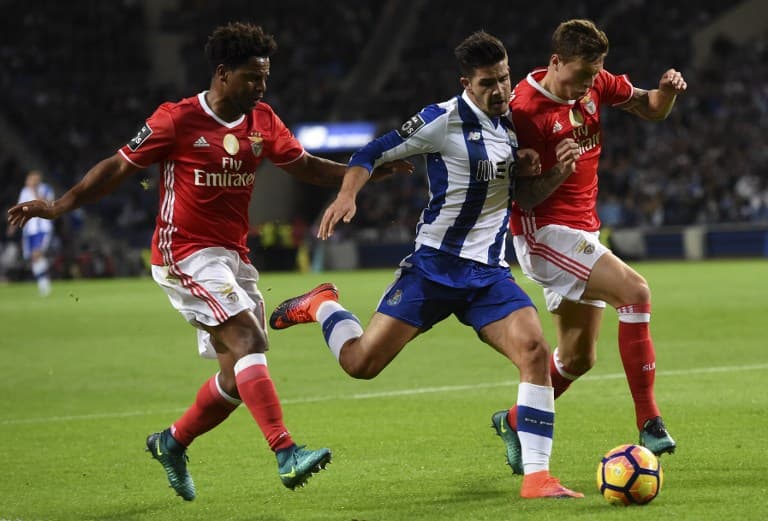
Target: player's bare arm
324, 172
656, 104
531, 190
102, 179
343, 207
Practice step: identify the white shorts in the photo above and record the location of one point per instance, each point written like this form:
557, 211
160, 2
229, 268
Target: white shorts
210, 286
560, 259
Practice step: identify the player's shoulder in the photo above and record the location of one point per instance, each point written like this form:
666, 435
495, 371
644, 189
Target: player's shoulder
525, 96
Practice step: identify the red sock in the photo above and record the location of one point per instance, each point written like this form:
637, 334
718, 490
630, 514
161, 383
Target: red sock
210, 409
639, 359
259, 394
561, 376
560, 382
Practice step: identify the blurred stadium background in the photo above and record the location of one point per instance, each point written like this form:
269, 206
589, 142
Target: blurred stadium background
80, 78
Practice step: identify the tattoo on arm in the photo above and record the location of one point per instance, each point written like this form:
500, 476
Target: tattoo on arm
639, 104
532, 190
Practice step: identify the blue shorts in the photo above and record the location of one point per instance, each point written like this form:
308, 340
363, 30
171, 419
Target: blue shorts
422, 303
35, 242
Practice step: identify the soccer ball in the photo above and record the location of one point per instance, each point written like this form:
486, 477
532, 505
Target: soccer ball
629, 475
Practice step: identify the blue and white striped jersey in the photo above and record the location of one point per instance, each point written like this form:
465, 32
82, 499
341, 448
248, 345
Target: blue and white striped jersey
469, 159
37, 224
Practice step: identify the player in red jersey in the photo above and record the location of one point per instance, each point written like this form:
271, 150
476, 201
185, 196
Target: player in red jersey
556, 241
209, 147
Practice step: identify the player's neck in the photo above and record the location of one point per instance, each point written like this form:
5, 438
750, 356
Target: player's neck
548, 83
221, 107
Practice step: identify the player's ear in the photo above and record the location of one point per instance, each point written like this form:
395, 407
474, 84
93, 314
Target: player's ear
465, 82
555, 61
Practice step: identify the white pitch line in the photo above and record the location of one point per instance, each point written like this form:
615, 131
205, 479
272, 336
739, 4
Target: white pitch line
385, 394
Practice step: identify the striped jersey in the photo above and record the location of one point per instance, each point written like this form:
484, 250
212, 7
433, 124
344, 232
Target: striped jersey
469, 159
36, 225
208, 168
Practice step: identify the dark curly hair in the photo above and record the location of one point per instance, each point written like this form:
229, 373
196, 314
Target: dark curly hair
479, 49
235, 43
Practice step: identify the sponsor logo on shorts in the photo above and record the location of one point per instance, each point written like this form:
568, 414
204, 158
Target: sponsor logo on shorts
232, 297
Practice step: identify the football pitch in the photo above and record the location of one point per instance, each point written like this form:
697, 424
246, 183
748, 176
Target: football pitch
90, 371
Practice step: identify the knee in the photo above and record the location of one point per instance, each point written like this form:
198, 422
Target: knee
637, 291
533, 351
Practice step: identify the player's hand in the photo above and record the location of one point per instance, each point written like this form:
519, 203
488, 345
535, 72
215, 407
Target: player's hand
673, 82
342, 208
390, 168
23, 212
528, 162
566, 153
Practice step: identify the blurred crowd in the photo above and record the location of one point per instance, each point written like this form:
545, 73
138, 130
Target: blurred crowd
77, 78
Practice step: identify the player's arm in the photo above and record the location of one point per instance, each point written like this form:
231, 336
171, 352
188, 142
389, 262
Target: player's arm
656, 104
102, 179
324, 172
531, 190
344, 207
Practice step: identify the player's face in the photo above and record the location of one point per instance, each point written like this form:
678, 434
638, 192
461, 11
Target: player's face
574, 77
246, 85
489, 88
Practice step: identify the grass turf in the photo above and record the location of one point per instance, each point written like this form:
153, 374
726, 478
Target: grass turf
93, 369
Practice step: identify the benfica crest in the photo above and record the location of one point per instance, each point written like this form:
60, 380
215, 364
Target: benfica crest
589, 104
257, 143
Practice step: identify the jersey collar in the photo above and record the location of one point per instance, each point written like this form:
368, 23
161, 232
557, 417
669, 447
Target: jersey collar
536, 85
481, 116
208, 110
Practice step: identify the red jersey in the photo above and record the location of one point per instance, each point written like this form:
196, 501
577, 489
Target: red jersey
208, 170
542, 120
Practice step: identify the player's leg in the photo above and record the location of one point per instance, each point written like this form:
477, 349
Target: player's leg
578, 326
363, 354
519, 337
35, 247
626, 290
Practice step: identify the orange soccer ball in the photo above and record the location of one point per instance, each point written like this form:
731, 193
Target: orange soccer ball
629, 475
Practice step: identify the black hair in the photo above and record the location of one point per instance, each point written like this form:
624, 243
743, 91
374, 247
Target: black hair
479, 49
235, 43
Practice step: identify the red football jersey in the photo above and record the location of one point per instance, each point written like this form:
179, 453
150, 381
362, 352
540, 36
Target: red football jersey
208, 169
542, 120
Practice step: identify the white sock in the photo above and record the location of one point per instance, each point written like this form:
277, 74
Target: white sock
40, 271
535, 425
338, 325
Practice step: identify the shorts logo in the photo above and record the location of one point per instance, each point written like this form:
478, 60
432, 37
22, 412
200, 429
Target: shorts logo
232, 297
144, 132
410, 127
395, 299
585, 247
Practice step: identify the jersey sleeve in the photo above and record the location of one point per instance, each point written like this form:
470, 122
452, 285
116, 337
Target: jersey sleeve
154, 141
614, 90
423, 133
283, 148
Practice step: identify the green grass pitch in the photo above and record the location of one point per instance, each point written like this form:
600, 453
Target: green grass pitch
88, 372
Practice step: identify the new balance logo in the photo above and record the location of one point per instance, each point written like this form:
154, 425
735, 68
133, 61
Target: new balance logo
201, 142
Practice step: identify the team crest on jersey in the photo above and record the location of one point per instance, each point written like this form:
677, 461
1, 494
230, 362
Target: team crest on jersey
231, 144
395, 299
410, 127
144, 132
589, 105
257, 143
585, 247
